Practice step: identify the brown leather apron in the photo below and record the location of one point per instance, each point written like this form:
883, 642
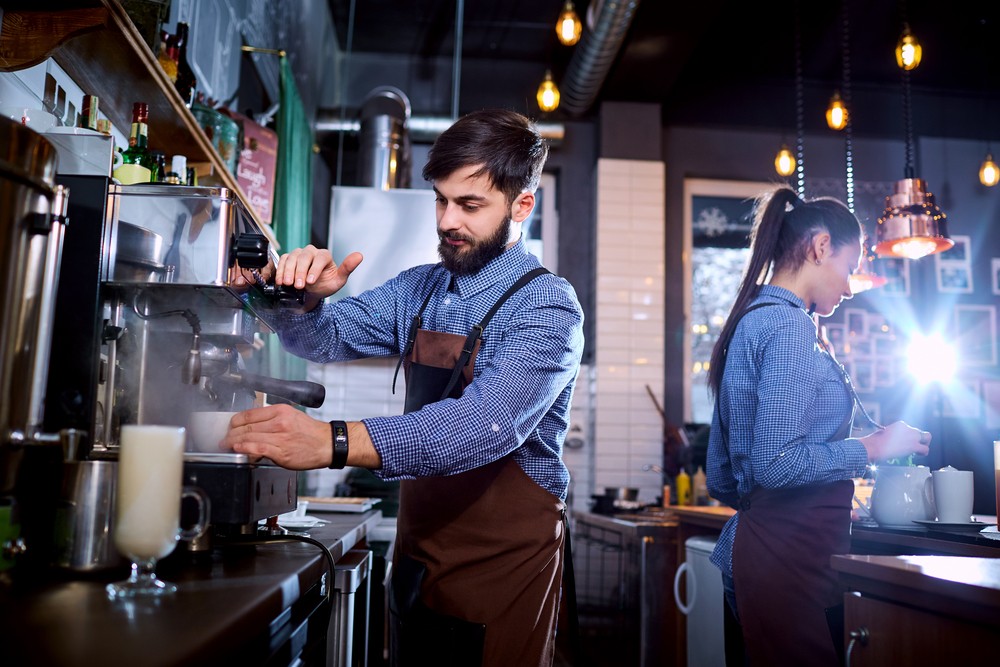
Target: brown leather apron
478, 554
781, 567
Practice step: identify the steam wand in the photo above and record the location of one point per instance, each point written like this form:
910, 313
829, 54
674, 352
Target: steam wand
191, 369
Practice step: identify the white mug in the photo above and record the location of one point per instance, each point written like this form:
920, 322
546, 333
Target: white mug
953, 495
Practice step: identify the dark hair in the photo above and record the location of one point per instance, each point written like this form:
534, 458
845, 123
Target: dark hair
506, 143
783, 229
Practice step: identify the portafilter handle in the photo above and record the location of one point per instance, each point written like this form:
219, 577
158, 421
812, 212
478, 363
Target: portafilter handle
302, 392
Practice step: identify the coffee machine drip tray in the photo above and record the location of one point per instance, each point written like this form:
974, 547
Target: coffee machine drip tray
221, 457
241, 493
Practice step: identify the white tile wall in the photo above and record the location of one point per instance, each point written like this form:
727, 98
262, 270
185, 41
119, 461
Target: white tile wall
629, 327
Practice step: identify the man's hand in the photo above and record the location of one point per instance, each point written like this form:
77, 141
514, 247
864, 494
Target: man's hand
289, 437
315, 271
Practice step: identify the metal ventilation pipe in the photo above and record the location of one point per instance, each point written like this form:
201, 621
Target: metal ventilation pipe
594, 55
384, 157
421, 129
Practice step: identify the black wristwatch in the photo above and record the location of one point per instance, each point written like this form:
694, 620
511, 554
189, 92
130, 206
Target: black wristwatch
340, 446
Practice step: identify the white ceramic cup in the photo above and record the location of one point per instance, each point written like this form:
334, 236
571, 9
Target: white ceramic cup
207, 430
953, 495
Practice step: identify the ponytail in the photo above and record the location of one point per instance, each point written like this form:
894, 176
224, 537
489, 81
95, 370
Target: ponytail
769, 211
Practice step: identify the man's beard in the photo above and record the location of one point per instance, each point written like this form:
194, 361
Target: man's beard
474, 255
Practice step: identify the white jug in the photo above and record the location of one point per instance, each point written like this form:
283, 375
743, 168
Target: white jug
902, 495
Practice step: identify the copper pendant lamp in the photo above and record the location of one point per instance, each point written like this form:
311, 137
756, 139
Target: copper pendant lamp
912, 225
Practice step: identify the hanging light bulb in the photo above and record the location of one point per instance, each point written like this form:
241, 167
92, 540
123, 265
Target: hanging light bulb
908, 50
784, 161
989, 173
548, 93
569, 27
836, 113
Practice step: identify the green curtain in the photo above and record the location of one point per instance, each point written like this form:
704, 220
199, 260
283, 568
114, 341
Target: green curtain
292, 198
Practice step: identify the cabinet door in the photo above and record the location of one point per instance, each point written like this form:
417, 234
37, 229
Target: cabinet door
901, 635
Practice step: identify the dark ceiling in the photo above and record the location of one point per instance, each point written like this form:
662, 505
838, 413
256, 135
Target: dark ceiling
721, 62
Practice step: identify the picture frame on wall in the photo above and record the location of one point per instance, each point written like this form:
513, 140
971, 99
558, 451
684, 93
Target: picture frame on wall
954, 279
897, 275
856, 323
975, 334
957, 254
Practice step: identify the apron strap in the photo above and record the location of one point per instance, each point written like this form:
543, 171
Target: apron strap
411, 336
477, 330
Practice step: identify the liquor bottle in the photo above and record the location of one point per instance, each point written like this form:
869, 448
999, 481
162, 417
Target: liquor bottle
167, 56
186, 81
88, 117
138, 165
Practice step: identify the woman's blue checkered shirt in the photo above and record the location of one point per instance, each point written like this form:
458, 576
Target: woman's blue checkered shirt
525, 371
781, 401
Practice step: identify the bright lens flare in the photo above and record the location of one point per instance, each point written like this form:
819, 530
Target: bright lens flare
930, 359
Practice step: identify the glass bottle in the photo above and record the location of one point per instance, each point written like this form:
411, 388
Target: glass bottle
138, 165
167, 56
186, 81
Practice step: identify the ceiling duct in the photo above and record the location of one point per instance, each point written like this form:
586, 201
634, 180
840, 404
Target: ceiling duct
593, 56
384, 154
421, 129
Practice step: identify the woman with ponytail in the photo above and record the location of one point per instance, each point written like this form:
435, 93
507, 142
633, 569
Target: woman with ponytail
780, 450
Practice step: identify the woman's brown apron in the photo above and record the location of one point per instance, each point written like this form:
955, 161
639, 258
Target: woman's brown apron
781, 567
478, 554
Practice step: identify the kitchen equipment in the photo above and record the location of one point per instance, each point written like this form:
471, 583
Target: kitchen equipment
621, 492
85, 517
706, 646
158, 330
901, 495
953, 494
32, 228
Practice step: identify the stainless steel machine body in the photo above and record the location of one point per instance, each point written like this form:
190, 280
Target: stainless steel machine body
32, 228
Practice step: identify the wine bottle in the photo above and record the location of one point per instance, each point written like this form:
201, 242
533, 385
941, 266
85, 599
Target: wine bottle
186, 81
138, 165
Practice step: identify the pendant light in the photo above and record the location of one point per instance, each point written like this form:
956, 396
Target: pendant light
784, 161
989, 173
908, 50
568, 26
548, 93
912, 225
836, 113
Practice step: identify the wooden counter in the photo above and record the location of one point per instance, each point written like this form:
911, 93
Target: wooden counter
920, 610
243, 607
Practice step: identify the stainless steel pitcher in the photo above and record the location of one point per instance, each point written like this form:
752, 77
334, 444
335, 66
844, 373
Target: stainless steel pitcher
85, 516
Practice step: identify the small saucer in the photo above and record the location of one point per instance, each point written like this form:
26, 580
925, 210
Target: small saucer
299, 523
958, 525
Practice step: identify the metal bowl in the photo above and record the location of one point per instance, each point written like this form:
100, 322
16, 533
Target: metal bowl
621, 492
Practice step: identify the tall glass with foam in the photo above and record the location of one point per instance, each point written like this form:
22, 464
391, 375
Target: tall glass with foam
147, 518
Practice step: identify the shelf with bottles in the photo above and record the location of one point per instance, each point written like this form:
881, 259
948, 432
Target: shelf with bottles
99, 47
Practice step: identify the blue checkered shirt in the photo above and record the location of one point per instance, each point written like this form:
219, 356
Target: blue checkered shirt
523, 378
781, 401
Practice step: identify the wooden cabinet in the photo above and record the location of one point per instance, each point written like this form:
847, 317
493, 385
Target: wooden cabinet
99, 47
920, 610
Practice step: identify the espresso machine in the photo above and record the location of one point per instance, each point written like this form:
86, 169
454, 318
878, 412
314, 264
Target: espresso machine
153, 329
